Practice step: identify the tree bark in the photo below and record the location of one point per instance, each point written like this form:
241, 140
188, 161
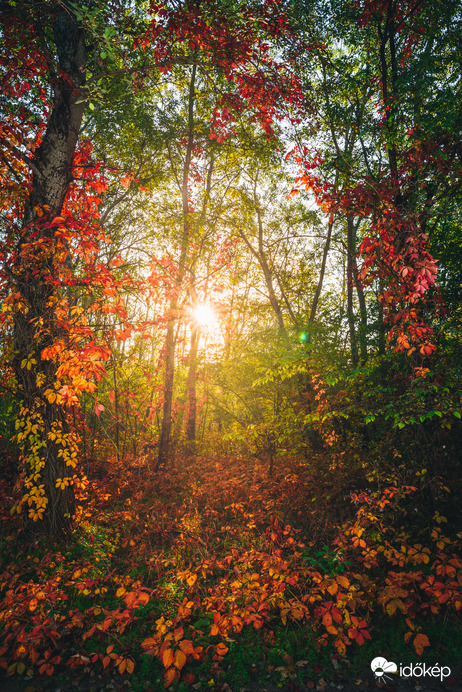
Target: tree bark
164, 443
350, 282
35, 324
192, 378
260, 256
268, 276
362, 331
314, 305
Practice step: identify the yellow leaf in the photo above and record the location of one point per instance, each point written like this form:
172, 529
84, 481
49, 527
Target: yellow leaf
130, 666
120, 591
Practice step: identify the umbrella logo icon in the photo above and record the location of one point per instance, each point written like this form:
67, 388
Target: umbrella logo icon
381, 667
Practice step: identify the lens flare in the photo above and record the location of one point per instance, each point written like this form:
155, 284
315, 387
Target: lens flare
204, 315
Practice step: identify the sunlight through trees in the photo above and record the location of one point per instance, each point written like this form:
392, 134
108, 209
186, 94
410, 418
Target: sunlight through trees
230, 285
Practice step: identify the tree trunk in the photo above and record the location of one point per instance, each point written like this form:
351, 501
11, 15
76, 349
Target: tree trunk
192, 378
46, 452
164, 443
362, 331
116, 410
267, 274
260, 256
381, 328
350, 281
314, 305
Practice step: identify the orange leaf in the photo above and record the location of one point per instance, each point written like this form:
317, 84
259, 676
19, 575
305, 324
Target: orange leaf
143, 598
170, 676
130, 666
221, 649
179, 659
327, 620
125, 182
337, 615
150, 643
130, 599
340, 646
178, 634
122, 666
187, 647
33, 604
167, 658
343, 581
197, 652
420, 642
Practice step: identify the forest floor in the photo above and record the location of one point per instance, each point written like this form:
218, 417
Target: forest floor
213, 575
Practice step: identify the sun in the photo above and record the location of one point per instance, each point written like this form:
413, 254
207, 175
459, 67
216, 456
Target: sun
205, 315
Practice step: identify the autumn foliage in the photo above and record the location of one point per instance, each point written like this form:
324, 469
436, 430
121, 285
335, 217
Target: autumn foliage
182, 578
230, 401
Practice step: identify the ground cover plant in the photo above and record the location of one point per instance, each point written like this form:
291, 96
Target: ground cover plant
230, 380
178, 578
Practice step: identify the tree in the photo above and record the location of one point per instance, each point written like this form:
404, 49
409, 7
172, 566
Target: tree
38, 240
397, 196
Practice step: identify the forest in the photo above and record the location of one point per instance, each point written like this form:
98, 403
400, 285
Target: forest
230, 345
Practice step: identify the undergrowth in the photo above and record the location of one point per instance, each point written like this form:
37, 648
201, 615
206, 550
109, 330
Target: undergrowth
211, 573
